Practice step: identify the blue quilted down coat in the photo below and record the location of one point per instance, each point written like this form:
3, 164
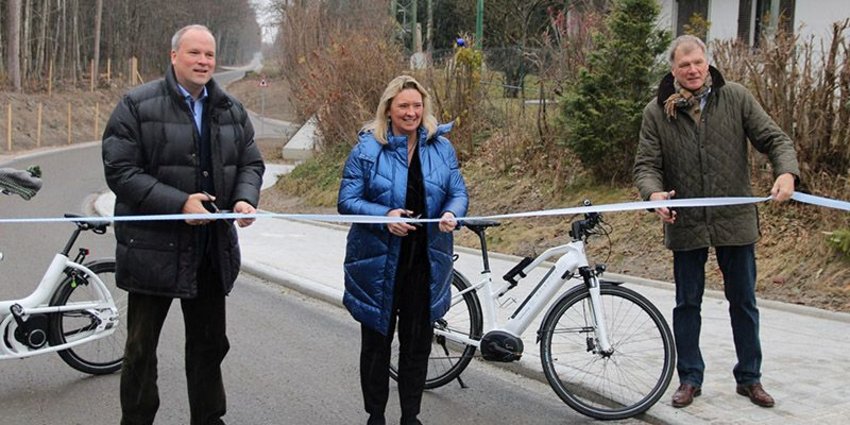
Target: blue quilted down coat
374, 182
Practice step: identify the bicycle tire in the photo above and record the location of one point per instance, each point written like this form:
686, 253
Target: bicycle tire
448, 359
623, 384
99, 357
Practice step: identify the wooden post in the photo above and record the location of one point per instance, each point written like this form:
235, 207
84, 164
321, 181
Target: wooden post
109, 70
134, 65
69, 123
96, 117
38, 125
93, 76
9, 127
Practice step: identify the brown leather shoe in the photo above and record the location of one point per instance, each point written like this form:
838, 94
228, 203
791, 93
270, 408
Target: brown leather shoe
756, 393
685, 395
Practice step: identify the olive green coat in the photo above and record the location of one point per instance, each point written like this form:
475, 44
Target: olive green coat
709, 158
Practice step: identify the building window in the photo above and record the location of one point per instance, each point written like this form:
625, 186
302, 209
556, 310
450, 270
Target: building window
686, 9
760, 18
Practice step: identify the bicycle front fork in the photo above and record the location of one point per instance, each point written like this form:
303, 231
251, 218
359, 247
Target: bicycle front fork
602, 345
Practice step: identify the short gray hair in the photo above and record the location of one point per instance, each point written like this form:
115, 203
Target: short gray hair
681, 40
175, 40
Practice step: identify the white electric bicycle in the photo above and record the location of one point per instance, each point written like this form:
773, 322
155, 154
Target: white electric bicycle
606, 350
72, 312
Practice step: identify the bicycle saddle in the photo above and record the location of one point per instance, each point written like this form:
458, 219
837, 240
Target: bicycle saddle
479, 226
98, 227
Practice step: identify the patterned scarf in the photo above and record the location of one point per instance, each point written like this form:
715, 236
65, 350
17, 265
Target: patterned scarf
686, 99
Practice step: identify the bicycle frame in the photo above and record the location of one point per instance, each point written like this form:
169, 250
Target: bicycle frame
572, 261
38, 302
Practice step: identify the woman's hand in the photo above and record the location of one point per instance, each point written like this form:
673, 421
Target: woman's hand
400, 229
447, 222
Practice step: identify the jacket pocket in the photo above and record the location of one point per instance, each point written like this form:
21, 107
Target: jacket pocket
149, 267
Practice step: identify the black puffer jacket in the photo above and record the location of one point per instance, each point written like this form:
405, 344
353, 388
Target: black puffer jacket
151, 162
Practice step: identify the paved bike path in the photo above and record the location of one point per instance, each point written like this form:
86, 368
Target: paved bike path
805, 349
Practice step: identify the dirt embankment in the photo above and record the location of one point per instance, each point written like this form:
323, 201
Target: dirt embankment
40, 120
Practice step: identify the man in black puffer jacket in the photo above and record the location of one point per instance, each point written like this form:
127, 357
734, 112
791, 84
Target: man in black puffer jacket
179, 145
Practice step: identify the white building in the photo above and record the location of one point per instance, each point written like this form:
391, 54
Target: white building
740, 18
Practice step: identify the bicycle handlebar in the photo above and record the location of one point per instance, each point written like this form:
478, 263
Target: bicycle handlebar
581, 229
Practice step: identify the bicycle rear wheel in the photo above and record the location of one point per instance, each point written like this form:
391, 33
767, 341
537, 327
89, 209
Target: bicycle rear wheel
101, 356
618, 385
449, 358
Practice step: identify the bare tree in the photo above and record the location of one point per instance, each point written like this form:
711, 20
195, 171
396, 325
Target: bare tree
66, 34
98, 17
13, 38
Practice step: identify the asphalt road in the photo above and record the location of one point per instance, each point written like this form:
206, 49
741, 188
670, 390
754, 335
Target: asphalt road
293, 359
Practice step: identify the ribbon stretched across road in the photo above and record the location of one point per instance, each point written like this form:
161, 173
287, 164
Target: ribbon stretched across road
626, 206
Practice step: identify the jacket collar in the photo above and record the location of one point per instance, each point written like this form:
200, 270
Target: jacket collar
217, 96
666, 88
395, 141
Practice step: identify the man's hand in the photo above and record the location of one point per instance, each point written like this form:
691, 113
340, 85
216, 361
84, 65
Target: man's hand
194, 205
783, 188
667, 215
243, 207
400, 229
447, 222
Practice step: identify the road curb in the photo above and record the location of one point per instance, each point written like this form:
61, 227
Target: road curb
305, 286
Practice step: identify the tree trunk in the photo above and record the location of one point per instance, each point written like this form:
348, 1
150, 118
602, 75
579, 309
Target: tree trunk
61, 40
77, 64
42, 38
26, 46
96, 56
13, 51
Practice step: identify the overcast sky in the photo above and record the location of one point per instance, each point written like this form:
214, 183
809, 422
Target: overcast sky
269, 31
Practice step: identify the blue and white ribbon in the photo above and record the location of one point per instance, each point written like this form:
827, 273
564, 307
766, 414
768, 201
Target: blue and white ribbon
369, 219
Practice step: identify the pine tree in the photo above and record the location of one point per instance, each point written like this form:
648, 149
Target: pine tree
601, 113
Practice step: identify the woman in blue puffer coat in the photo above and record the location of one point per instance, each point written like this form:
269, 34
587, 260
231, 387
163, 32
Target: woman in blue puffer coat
402, 166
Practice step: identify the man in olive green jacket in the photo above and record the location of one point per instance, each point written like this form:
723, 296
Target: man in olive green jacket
694, 143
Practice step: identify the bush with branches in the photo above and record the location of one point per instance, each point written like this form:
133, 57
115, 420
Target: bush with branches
338, 61
807, 92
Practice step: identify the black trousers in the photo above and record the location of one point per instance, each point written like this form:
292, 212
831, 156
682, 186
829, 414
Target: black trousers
412, 312
206, 347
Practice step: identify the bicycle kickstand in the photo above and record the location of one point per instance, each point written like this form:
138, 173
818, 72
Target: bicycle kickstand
460, 381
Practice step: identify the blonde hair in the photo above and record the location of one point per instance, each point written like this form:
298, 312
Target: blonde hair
379, 125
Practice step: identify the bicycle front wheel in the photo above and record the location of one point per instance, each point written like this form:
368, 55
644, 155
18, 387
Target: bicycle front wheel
448, 357
616, 385
101, 356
